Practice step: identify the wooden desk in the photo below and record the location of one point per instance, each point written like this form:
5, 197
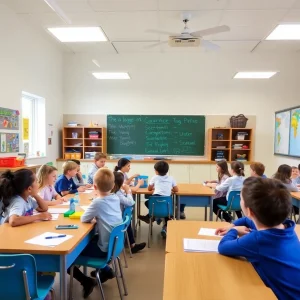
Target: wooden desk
178, 230
195, 195
56, 259
34, 168
210, 276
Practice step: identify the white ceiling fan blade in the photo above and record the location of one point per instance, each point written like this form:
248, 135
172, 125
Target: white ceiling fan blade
209, 45
210, 31
155, 45
161, 32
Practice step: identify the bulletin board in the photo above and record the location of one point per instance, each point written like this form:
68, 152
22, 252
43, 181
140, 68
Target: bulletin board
9, 142
9, 119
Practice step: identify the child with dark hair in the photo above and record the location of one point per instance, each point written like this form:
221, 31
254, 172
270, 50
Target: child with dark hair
123, 167
265, 237
162, 185
234, 183
19, 197
124, 193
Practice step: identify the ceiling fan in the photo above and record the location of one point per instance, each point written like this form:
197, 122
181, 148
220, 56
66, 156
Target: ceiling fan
190, 38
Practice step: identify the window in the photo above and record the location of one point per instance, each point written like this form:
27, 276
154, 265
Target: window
33, 125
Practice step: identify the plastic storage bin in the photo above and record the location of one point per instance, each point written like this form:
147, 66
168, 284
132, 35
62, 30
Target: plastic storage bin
145, 178
11, 162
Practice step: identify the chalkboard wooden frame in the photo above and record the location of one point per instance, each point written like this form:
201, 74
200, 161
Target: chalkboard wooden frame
164, 135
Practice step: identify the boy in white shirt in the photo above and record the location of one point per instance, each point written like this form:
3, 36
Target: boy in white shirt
162, 185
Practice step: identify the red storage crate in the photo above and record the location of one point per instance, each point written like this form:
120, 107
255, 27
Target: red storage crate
11, 162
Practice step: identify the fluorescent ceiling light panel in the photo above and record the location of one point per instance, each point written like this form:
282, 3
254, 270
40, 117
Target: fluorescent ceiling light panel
105, 75
254, 75
285, 32
78, 34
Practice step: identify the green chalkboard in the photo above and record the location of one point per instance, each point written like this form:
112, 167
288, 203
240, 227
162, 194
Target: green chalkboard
155, 134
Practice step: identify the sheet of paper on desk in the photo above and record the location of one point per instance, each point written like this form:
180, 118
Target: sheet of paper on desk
84, 207
86, 192
42, 241
57, 210
199, 245
54, 216
208, 232
65, 203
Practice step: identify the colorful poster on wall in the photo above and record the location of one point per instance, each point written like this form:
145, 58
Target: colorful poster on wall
282, 132
9, 142
9, 119
25, 129
295, 132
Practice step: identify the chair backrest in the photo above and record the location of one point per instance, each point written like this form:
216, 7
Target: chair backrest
234, 200
18, 277
160, 206
127, 212
116, 240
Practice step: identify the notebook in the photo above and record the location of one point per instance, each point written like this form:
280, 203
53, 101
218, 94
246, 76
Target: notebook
199, 245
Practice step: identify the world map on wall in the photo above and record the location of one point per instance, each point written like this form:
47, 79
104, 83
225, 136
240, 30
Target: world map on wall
282, 132
287, 132
295, 132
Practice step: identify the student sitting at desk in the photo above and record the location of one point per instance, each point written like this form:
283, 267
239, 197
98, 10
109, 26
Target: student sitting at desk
78, 178
124, 167
65, 184
19, 197
99, 162
46, 178
162, 185
106, 209
295, 176
257, 169
234, 183
266, 238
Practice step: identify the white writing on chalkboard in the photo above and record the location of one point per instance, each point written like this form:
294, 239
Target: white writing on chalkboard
156, 135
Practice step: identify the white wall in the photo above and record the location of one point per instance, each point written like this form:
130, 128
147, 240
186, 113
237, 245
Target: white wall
29, 62
179, 83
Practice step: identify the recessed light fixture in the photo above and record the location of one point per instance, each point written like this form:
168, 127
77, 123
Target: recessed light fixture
285, 32
78, 34
254, 75
106, 75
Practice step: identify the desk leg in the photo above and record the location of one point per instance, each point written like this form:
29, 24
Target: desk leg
205, 216
133, 222
211, 209
139, 208
63, 278
178, 208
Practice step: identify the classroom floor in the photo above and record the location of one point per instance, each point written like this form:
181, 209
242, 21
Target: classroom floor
145, 274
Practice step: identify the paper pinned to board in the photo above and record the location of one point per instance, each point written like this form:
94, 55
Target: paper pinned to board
200, 245
208, 232
42, 241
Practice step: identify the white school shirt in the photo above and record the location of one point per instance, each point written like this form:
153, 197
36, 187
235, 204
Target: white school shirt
20, 207
125, 199
162, 185
234, 183
126, 178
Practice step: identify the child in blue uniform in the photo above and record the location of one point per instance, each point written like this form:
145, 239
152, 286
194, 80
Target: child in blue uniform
266, 238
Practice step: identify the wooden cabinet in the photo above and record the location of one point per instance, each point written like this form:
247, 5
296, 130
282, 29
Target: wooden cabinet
231, 144
82, 142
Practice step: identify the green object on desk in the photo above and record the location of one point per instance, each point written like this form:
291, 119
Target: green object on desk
68, 213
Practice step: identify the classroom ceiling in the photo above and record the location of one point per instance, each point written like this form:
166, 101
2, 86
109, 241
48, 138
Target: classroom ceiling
126, 22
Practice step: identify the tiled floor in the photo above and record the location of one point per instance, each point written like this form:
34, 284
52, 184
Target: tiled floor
145, 274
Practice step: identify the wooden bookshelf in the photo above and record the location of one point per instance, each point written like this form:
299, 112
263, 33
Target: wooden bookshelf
78, 140
227, 138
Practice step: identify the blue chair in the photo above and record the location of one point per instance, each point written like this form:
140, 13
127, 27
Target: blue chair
115, 248
159, 207
19, 279
127, 212
233, 204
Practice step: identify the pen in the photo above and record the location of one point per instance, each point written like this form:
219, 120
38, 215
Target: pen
54, 237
